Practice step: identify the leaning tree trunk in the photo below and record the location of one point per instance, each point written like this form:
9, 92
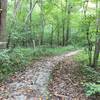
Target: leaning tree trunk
3, 10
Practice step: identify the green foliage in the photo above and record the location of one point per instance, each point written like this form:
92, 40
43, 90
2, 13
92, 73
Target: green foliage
92, 88
88, 28
11, 62
82, 57
54, 12
19, 58
21, 38
56, 15
91, 76
4, 65
90, 73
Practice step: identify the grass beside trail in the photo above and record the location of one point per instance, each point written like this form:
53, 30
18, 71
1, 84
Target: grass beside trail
15, 60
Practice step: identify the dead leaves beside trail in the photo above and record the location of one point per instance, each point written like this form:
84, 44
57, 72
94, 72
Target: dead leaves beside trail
65, 82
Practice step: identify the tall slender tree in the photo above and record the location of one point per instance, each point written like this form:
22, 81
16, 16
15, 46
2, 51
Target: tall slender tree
97, 44
63, 24
68, 12
30, 16
58, 32
42, 21
52, 36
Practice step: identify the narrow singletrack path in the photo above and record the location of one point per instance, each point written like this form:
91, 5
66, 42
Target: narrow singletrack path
33, 82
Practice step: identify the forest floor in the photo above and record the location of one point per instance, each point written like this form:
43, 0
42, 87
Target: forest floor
56, 76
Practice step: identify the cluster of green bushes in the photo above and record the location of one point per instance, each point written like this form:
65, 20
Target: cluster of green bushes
16, 59
92, 88
92, 76
11, 62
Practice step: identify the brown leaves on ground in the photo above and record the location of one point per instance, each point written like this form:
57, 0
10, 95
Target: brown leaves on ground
65, 82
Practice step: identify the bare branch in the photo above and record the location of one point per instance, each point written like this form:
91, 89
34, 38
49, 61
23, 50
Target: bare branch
30, 11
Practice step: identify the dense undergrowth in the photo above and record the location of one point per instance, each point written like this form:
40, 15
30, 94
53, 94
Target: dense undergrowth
91, 76
18, 58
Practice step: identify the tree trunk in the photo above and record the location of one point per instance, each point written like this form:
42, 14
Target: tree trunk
89, 45
52, 36
63, 25
96, 53
30, 16
42, 21
17, 4
58, 32
97, 44
63, 28
68, 7
3, 11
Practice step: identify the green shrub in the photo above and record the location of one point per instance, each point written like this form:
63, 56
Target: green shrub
90, 73
10, 62
82, 57
92, 88
5, 64
17, 59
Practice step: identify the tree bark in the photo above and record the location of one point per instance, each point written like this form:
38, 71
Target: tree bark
58, 32
97, 44
68, 7
63, 24
17, 4
42, 21
63, 29
52, 36
3, 11
30, 16
96, 53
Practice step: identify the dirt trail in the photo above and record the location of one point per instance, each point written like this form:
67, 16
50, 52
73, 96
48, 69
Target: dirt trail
33, 81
